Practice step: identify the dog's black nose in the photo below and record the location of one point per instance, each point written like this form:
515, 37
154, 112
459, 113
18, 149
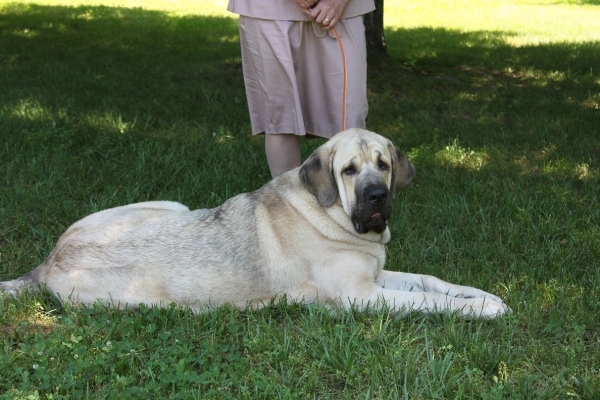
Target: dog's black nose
377, 195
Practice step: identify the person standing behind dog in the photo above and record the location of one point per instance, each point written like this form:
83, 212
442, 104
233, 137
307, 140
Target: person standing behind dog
293, 71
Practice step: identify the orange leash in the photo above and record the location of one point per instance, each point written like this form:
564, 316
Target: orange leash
345, 89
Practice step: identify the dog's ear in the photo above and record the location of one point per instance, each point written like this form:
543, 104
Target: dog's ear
317, 176
402, 170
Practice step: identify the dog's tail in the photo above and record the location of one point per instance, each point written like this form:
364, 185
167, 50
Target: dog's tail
14, 286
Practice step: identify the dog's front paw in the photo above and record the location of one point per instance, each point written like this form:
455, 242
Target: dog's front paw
487, 308
467, 292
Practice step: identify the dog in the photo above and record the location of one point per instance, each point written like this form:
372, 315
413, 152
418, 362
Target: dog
315, 234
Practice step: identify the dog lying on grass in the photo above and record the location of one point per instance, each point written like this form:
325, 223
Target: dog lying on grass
314, 234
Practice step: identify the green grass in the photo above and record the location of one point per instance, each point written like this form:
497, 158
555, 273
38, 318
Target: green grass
496, 103
517, 22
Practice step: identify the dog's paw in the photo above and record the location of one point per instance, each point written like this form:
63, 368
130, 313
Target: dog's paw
487, 308
467, 292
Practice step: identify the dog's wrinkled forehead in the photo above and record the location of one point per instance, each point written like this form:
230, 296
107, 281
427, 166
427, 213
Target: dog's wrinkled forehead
360, 149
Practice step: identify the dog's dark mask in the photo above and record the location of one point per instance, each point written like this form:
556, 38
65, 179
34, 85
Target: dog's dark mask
372, 210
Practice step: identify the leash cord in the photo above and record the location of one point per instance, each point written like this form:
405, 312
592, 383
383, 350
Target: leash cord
345, 87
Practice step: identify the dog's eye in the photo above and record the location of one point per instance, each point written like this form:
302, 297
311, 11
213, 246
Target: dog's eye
382, 166
349, 171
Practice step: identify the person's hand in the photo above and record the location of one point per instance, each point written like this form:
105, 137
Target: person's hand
327, 12
306, 4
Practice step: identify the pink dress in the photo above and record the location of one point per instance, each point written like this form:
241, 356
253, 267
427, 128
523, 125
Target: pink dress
293, 70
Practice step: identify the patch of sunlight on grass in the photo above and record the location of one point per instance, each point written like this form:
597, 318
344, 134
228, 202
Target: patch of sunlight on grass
593, 102
229, 39
110, 121
223, 135
25, 33
33, 319
546, 152
456, 156
177, 7
87, 16
521, 23
562, 167
580, 171
40, 317
28, 110
464, 96
583, 172
557, 167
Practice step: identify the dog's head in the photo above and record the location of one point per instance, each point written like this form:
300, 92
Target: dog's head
364, 170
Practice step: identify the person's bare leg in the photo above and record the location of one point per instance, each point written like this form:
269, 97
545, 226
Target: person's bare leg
283, 153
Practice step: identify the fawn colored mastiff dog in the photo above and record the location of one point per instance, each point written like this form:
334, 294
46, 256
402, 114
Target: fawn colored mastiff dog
314, 234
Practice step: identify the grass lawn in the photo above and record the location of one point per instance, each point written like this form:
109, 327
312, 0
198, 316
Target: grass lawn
497, 103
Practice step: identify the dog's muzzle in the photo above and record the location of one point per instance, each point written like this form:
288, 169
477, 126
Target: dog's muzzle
373, 209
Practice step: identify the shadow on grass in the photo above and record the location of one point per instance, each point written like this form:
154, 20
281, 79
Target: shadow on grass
120, 69
124, 105
93, 70
442, 84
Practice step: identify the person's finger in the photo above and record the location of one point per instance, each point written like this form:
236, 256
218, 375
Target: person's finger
331, 24
304, 4
320, 12
321, 16
326, 15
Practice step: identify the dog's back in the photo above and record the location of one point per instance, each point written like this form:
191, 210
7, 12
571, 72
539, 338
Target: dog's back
130, 254
160, 252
